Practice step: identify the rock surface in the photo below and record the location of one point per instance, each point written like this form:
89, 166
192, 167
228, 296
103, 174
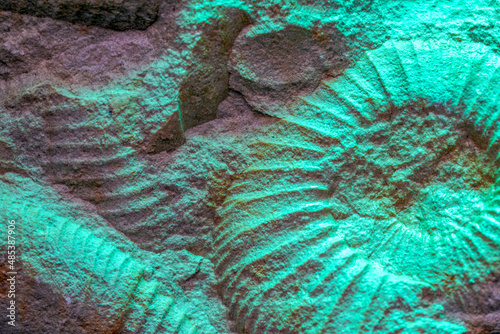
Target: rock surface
271, 64
251, 166
112, 14
405, 165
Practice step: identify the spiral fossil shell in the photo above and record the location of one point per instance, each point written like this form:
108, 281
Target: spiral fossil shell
335, 219
366, 203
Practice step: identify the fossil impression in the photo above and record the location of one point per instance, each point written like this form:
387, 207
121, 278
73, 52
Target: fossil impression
100, 274
374, 188
265, 173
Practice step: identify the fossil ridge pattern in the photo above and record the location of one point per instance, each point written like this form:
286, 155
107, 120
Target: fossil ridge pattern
98, 145
254, 167
101, 273
300, 250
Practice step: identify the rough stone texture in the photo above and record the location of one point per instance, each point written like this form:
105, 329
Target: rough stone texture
478, 304
114, 286
40, 49
111, 14
206, 82
405, 165
270, 64
254, 167
206, 85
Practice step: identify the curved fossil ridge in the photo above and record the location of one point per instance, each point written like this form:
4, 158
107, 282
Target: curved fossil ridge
87, 157
369, 193
116, 285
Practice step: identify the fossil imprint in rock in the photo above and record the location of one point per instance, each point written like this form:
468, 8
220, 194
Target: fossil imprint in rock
368, 193
110, 284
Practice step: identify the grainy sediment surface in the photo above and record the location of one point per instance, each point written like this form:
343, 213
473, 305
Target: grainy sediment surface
250, 166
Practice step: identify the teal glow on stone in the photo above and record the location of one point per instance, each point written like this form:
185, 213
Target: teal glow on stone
368, 192
367, 201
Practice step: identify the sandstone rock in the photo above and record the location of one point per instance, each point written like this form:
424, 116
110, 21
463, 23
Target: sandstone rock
169, 137
206, 85
206, 81
344, 181
270, 64
112, 14
477, 303
411, 191
103, 281
35, 50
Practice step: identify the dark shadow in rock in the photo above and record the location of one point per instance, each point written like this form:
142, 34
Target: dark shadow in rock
207, 82
478, 305
168, 138
116, 15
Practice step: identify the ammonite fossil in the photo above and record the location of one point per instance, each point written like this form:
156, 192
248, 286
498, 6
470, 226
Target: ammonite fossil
369, 193
108, 283
369, 204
